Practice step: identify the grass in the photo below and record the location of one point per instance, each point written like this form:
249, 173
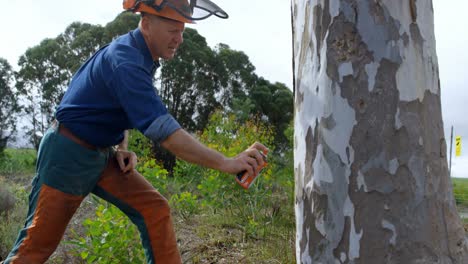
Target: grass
18, 163
218, 238
460, 191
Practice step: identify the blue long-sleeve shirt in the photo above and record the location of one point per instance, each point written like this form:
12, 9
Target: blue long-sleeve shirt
113, 91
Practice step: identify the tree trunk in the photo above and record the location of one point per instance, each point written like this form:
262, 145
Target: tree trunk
372, 182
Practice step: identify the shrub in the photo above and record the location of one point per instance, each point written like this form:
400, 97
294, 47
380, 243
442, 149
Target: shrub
139, 144
186, 204
7, 200
110, 238
154, 173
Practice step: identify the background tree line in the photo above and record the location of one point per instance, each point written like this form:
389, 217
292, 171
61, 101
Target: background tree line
198, 81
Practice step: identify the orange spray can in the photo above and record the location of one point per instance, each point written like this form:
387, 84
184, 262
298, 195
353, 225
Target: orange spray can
243, 178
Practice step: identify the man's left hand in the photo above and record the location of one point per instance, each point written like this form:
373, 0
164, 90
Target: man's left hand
127, 160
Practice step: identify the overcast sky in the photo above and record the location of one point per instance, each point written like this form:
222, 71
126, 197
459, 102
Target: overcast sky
261, 29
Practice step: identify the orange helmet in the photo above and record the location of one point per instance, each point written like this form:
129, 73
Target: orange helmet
180, 10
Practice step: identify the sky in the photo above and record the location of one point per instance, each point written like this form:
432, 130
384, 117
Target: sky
262, 30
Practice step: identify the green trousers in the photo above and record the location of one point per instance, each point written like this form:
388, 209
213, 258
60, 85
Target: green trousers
66, 173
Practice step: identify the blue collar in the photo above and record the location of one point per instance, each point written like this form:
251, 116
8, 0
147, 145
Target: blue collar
141, 43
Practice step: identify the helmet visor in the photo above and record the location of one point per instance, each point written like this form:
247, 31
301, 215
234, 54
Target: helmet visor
204, 8
190, 10
197, 9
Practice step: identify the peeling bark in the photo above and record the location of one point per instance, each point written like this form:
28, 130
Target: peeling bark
372, 182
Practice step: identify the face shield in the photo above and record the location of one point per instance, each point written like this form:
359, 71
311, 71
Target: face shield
191, 10
204, 8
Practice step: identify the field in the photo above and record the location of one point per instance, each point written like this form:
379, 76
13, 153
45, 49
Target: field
256, 229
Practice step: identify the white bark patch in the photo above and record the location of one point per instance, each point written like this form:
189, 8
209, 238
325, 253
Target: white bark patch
343, 257
421, 141
417, 73
398, 123
425, 21
354, 237
361, 181
322, 171
299, 210
373, 35
399, 10
345, 69
299, 154
345, 118
393, 166
387, 225
334, 9
371, 70
320, 225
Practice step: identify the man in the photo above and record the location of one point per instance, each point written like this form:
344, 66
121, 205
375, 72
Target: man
112, 92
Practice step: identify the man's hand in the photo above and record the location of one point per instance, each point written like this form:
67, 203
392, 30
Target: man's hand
250, 160
127, 160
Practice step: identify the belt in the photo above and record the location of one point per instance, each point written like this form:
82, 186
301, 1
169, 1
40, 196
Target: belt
64, 131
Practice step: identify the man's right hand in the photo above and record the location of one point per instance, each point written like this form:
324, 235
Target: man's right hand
249, 160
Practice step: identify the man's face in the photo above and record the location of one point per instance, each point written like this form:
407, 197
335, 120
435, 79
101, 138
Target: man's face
163, 36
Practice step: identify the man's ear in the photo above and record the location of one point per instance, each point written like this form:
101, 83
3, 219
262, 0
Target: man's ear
147, 21
144, 23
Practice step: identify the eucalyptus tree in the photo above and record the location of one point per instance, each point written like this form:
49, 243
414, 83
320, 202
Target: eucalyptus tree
274, 101
237, 74
41, 82
8, 104
372, 183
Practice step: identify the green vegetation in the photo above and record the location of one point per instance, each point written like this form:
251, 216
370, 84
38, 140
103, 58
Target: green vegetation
17, 162
110, 238
460, 191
